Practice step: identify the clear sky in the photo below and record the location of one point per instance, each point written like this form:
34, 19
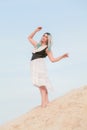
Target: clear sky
67, 22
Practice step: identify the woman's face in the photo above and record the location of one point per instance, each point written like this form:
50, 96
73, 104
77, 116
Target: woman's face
44, 38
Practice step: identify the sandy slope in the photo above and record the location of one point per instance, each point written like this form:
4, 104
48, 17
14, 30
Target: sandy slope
68, 112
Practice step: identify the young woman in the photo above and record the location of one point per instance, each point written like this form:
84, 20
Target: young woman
38, 68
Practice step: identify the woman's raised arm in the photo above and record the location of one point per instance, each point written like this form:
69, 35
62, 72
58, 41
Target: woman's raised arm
30, 37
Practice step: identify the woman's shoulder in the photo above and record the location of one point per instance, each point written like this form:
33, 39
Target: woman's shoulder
39, 48
38, 45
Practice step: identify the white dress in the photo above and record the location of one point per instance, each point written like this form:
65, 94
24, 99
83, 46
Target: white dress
38, 70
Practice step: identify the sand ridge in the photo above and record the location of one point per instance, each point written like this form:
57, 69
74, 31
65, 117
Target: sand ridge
68, 112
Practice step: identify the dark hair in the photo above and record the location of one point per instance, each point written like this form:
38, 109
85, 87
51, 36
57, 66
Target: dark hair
47, 33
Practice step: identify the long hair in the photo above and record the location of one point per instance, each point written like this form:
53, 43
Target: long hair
49, 43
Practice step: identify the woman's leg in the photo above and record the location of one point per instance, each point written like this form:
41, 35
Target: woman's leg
44, 96
47, 100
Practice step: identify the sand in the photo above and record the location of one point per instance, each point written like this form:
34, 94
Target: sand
68, 112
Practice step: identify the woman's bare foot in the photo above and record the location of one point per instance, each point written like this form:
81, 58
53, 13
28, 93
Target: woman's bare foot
43, 105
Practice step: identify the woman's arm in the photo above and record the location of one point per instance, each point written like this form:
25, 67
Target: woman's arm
30, 37
52, 59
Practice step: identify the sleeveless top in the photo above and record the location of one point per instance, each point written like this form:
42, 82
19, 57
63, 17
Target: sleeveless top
39, 52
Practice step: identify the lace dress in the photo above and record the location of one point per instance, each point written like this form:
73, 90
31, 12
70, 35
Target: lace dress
39, 75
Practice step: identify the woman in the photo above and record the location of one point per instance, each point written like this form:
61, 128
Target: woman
37, 64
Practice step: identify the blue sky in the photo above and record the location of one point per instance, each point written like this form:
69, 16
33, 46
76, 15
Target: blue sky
67, 22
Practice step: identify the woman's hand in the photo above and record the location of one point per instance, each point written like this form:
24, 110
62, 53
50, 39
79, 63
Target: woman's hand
65, 55
38, 29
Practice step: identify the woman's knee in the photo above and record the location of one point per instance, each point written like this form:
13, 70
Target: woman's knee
43, 88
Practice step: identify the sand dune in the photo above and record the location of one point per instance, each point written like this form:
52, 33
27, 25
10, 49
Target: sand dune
68, 112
